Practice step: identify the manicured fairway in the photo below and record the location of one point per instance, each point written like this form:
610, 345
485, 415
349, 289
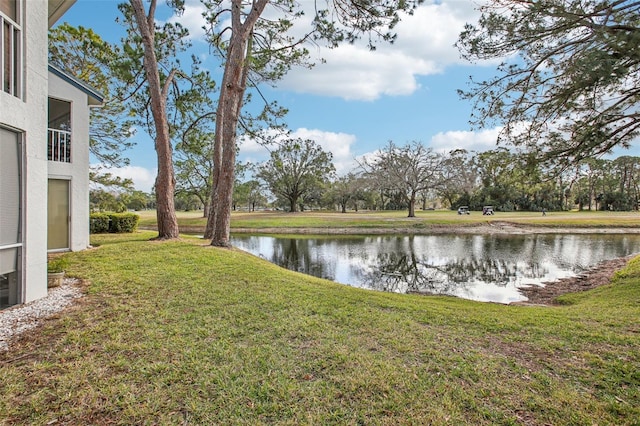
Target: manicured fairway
390, 220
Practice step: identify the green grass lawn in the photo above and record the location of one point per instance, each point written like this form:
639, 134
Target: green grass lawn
183, 333
399, 219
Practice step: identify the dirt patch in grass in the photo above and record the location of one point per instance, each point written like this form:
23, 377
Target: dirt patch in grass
600, 274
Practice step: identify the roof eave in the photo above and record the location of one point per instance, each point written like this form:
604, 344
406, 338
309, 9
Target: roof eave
95, 98
57, 8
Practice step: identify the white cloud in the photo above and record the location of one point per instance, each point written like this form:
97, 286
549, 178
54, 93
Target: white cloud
444, 142
431, 32
143, 178
354, 73
192, 19
425, 46
338, 144
486, 140
459, 139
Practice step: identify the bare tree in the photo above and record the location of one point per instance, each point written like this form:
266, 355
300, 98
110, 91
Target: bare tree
409, 169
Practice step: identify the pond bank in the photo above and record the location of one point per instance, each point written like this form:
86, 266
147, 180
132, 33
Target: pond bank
493, 227
600, 274
537, 295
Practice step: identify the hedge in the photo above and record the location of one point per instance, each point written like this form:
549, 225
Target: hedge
118, 223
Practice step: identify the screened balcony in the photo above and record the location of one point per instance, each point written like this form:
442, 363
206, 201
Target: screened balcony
59, 131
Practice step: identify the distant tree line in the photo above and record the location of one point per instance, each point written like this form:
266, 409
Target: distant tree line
511, 182
300, 176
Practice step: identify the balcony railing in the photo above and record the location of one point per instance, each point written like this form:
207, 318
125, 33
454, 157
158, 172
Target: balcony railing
10, 64
59, 145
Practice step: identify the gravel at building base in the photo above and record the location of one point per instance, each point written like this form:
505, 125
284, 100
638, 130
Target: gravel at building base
20, 318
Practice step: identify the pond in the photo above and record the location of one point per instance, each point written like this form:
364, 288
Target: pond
487, 268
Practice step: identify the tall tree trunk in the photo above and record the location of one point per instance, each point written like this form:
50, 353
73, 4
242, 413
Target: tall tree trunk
208, 229
165, 181
206, 207
234, 83
412, 206
229, 104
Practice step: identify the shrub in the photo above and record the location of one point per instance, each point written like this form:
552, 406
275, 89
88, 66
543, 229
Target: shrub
123, 222
113, 222
98, 223
57, 264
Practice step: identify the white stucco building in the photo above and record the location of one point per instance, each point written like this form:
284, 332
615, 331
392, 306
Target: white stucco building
44, 151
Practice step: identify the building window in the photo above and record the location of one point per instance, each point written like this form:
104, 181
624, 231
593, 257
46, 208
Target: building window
59, 131
10, 36
10, 218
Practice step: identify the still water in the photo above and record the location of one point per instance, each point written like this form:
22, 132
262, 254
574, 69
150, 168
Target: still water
479, 267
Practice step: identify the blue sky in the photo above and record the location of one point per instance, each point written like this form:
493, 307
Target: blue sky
355, 102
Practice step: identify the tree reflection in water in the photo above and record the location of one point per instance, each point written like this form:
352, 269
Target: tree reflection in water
297, 255
405, 273
479, 267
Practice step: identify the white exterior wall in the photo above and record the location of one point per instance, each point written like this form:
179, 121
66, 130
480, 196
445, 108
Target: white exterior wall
29, 117
77, 172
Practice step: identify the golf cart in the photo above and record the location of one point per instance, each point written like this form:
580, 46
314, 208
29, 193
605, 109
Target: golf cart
487, 210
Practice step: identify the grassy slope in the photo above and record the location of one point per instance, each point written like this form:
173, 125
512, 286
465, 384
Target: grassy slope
176, 332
